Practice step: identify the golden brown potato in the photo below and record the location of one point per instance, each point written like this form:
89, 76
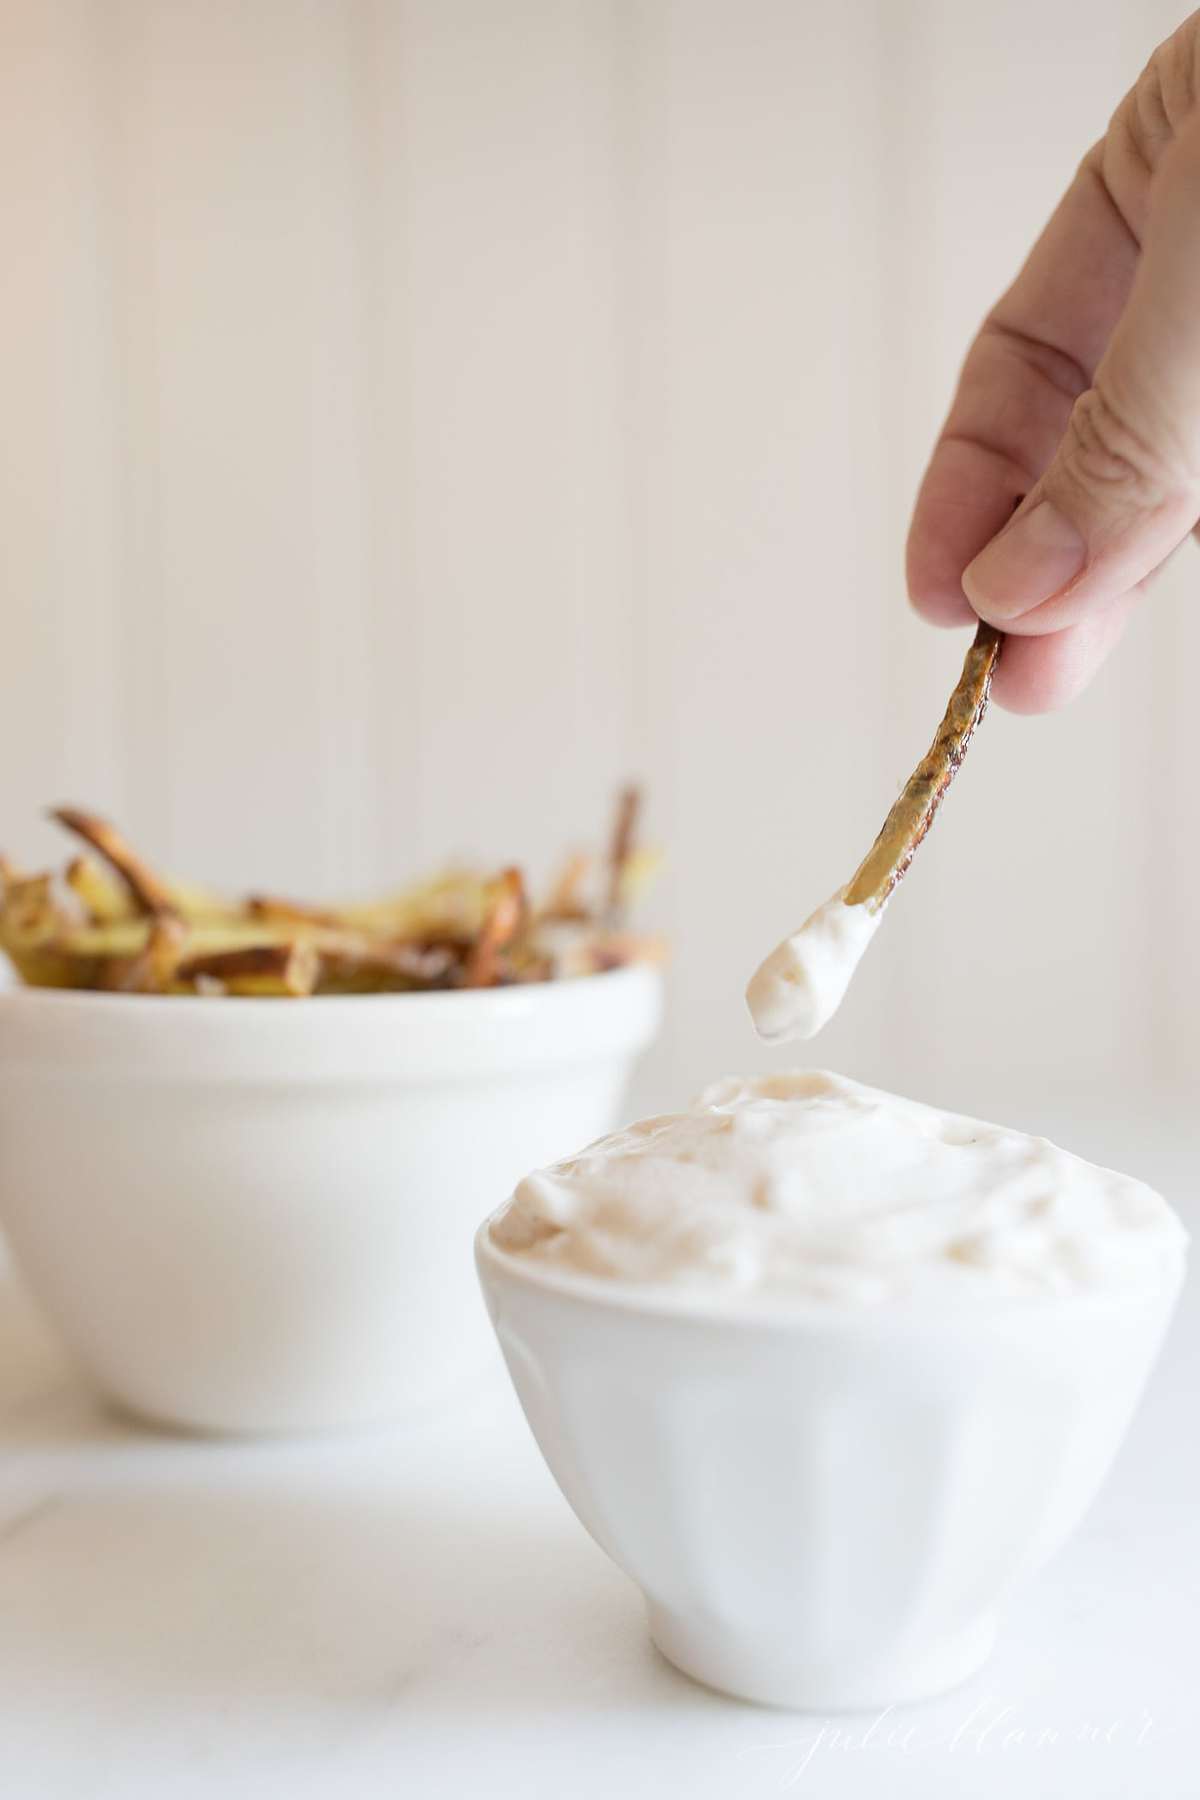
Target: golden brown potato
118, 925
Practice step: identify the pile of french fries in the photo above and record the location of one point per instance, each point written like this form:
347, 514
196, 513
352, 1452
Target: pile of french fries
108, 921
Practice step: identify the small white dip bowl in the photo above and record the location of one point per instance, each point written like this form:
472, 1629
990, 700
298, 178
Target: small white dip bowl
824, 1507
255, 1215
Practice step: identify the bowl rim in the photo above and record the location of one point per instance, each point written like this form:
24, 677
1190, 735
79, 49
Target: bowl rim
742, 1311
516, 995
64, 1035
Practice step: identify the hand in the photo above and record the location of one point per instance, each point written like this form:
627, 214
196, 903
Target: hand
1080, 394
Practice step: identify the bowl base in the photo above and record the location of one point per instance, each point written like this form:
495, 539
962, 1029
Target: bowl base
294, 1416
747, 1670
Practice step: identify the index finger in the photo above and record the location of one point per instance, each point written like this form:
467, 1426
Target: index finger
1034, 355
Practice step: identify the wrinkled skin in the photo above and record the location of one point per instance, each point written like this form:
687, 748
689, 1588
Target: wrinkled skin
1080, 399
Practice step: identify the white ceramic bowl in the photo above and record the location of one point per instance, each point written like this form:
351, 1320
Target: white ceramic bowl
256, 1215
824, 1508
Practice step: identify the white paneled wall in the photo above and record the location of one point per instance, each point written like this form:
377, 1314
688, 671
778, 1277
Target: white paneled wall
419, 414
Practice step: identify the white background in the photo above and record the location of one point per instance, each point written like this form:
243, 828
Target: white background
419, 416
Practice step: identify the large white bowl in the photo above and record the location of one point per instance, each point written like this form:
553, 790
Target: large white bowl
825, 1508
256, 1215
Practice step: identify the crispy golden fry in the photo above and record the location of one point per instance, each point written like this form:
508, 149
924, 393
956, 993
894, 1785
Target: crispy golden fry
125, 929
565, 899
292, 912
152, 894
504, 918
629, 806
259, 969
450, 906
104, 900
121, 942
32, 915
126, 937
151, 969
196, 903
910, 818
49, 967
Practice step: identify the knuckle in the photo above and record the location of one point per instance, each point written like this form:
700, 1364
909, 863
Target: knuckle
1178, 173
1104, 453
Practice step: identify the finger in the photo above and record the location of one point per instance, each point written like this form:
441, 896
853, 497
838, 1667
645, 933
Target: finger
968, 493
1041, 674
1033, 358
1123, 489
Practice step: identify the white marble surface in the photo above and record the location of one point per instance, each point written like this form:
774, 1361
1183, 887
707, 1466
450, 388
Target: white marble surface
418, 1614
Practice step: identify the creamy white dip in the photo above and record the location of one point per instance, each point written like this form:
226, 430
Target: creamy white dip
802, 983
813, 1186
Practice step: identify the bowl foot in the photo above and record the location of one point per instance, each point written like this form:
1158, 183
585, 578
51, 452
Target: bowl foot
771, 1674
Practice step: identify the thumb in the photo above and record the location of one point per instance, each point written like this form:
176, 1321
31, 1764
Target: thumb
1123, 489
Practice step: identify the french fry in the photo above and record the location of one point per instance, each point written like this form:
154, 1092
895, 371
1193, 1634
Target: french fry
451, 905
504, 918
50, 968
261, 969
115, 924
151, 969
126, 937
888, 859
195, 903
150, 893
103, 899
120, 941
292, 912
629, 806
32, 916
565, 899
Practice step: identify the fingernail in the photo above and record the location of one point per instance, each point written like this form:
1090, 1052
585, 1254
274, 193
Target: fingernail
1036, 556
